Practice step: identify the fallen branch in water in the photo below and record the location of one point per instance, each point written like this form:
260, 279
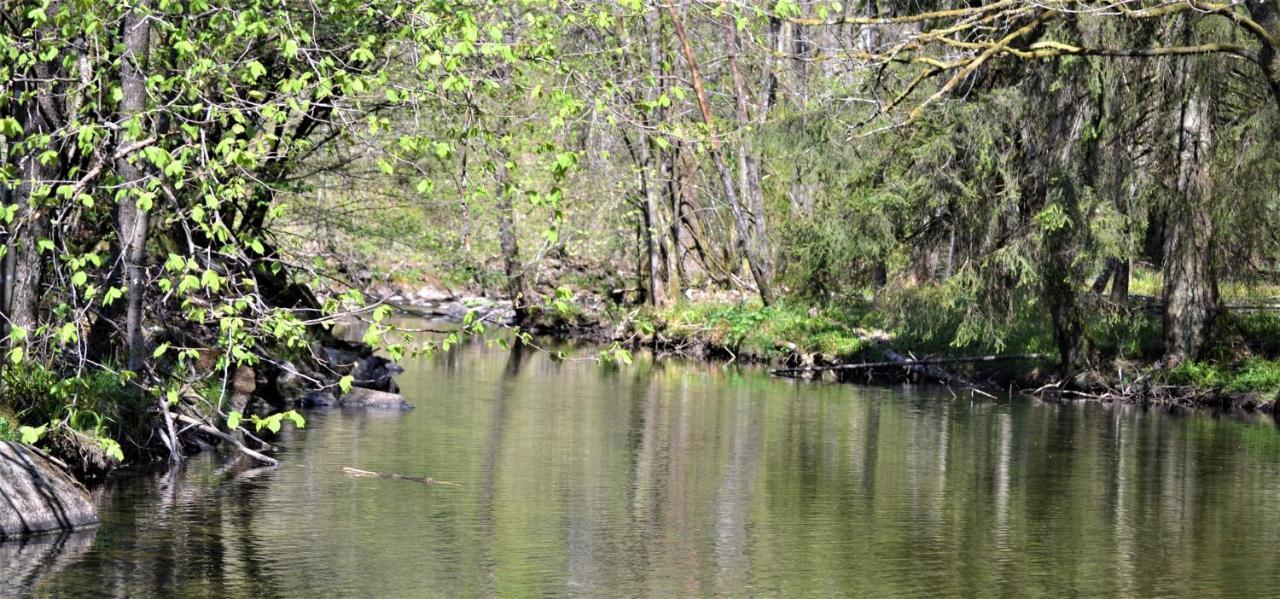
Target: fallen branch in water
349, 471
924, 362
205, 428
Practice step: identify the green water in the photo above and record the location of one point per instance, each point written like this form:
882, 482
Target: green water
676, 479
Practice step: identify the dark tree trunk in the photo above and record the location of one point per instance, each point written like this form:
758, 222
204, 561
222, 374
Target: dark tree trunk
1120, 282
1100, 283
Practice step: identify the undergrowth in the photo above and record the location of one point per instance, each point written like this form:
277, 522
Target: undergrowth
761, 330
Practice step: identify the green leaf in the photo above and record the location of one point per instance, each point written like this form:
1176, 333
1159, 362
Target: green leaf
111, 448
9, 127
31, 435
345, 383
233, 420
160, 349
296, 418
112, 294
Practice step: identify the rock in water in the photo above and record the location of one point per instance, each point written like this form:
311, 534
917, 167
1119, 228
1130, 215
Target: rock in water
36, 496
360, 397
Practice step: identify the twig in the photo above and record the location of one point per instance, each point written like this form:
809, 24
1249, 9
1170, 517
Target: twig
356, 472
205, 428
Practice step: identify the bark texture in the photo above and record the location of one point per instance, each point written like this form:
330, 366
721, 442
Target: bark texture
1190, 287
132, 219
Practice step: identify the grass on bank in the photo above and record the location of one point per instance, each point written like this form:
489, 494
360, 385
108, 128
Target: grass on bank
1243, 356
750, 328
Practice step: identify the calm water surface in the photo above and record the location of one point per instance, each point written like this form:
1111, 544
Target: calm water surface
675, 479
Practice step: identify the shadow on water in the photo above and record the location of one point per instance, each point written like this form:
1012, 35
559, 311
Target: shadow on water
678, 479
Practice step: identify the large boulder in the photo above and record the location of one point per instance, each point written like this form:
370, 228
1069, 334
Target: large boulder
36, 496
357, 359
377, 373
359, 397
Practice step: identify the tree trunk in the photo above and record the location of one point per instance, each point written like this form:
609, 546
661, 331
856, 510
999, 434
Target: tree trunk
1190, 286
1120, 282
6, 246
759, 268
132, 219
517, 287
31, 224
651, 173
1059, 287
751, 190
651, 229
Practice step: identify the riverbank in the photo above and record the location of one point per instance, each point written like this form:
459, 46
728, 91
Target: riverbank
1240, 371
902, 332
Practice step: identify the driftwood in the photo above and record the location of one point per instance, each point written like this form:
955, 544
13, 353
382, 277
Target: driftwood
906, 362
356, 472
232, 441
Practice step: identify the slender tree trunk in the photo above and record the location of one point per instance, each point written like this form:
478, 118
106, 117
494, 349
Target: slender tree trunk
6, 247
517, 286
650, 231
132, 219
757, 264
751, 188
31, 224
651, 173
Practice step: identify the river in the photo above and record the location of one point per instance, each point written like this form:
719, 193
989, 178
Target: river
676, 479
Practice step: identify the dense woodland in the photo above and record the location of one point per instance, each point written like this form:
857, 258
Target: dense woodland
193, 188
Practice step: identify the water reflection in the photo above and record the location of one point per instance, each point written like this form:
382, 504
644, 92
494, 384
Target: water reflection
24, 563
674, 479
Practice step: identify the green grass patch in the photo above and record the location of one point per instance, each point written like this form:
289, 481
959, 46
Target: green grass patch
1253, 375
761, 330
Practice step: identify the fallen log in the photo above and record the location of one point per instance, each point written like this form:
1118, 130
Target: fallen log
910, 362
356, 472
